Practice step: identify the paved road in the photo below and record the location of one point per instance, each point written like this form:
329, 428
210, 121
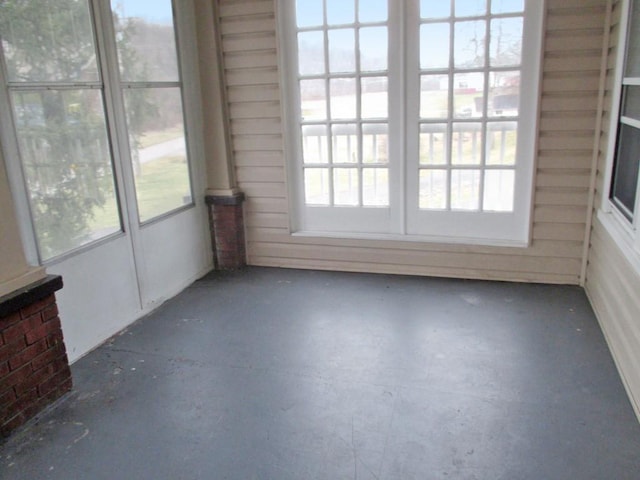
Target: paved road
170, 148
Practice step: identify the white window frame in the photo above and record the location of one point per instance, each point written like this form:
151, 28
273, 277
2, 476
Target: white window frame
403, 220
624, 232
111, 86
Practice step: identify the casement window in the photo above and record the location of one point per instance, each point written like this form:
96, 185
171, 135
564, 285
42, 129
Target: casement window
623, 192
92, 108
414, 119
620, 209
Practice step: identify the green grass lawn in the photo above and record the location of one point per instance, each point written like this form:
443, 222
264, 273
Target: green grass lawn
148, 139
161, 186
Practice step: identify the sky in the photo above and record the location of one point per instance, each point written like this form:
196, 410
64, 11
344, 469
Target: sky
434, 44
343, 11
155, 11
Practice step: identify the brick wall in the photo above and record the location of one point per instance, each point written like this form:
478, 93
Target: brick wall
226, 219
34, 370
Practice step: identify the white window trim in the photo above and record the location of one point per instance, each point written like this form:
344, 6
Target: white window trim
624, 233
364, 222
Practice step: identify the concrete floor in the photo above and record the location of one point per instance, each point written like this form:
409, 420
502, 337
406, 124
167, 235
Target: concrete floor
285, 374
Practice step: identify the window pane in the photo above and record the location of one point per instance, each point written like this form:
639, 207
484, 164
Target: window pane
498, 190
433, 144
502, 139
632, 68
145, 39
373, 49
506, 42
469, 8
66, 161
310, 53
466, 144
625, 174
342, 50
434, 45
507, 6
375, 188
309, 13
375, 143
434, 96
468, 95
65, 30
504, 94
316, 186
343, 98
340, 12
314, 144
374, 97
631, 102
345, 186
313, 100
469, 44
158, 150
372, 11
435, 9
345, 143
433, 189
465, 189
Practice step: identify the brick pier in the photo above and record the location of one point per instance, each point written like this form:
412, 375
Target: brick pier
34, 370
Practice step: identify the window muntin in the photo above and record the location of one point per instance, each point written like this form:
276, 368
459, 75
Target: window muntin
624, 179
460, 139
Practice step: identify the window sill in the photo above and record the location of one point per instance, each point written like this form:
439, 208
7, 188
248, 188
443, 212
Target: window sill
622, 236
467, 242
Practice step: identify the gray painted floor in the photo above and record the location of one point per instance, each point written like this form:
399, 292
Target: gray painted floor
285, 374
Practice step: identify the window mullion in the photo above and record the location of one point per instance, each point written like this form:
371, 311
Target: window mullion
450, 107
358, 77
403, 110
485, 110
328, 123
114, 108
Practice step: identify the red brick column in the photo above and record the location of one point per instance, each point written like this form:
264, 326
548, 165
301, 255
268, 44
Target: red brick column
34, 370
226, 221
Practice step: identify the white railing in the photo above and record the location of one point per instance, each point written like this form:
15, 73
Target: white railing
466, 143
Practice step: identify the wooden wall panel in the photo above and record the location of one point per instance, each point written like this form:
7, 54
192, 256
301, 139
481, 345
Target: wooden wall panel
612, 281
613, 287
569, 104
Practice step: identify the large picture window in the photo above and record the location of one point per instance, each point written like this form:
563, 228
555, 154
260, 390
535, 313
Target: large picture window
91, 85
407, 117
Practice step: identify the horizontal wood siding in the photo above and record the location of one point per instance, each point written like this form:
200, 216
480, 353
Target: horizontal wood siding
612, 284
613, 288
572, 53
